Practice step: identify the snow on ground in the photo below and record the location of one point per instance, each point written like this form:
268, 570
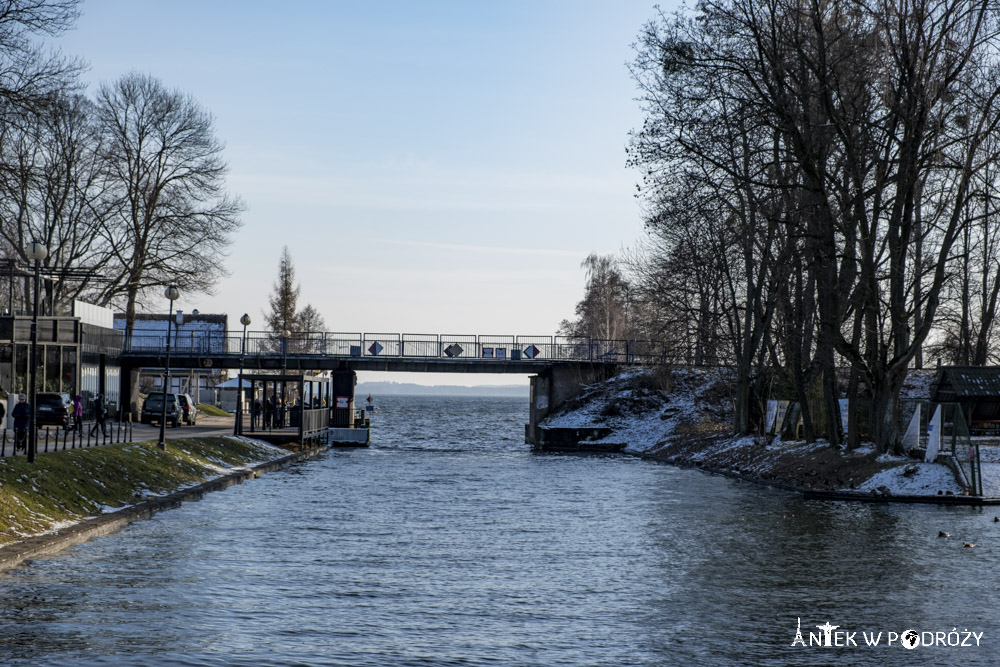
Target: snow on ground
643, 418
991, 479
914, 479
640, 416
917, 386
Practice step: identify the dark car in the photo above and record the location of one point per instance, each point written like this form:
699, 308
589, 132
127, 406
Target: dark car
54, 409
152, 409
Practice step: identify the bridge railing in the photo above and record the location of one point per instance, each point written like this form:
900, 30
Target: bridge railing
405, 345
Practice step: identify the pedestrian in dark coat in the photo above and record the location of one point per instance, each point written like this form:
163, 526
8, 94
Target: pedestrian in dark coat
99, 414
21, 414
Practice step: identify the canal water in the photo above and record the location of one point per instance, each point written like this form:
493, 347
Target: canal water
449, 542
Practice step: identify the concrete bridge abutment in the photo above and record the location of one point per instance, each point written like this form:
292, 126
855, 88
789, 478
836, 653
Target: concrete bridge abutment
554, 386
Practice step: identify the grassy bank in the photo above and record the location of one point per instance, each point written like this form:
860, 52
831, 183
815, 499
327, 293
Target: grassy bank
66, 487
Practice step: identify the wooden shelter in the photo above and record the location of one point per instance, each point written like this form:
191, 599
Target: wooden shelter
976, 389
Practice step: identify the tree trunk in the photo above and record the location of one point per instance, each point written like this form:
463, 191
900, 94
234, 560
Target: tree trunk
885, 411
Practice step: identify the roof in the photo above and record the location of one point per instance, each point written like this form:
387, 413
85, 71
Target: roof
961, 382
234, 383
188, 317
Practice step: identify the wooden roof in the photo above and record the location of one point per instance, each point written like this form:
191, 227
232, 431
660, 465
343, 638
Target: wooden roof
955, 383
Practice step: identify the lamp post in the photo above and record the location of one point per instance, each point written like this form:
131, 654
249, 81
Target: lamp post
238, 426
284, 370
37, 252
172, 293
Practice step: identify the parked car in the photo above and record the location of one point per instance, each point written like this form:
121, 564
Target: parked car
152, 409
189, 411
54, 409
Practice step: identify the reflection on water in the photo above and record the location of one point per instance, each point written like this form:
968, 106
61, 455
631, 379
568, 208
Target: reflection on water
449, 542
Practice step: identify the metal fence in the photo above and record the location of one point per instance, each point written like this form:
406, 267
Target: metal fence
59, 439
412, 346
963, 450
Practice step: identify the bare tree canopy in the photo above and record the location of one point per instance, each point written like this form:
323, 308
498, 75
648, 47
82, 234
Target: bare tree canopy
828, 157
603, 311
170, 219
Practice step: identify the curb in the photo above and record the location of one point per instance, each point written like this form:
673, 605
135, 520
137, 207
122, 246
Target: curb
16, 553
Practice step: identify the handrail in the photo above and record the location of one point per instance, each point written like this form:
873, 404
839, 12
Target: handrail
408, 346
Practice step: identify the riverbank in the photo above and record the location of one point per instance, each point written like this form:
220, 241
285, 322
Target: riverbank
684, 416
71, 496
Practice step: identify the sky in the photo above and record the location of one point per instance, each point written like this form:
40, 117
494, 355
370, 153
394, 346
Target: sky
432, 167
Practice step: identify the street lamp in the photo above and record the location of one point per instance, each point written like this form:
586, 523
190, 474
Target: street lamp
172, 293
238, 426
37, 252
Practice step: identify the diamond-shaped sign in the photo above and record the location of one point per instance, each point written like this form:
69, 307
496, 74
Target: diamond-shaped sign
531, 352
453, 350
375, 348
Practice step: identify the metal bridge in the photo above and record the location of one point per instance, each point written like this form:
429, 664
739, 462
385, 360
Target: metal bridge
441, 353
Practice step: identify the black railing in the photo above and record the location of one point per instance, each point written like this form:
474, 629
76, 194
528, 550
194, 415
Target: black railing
411, 346
56, 439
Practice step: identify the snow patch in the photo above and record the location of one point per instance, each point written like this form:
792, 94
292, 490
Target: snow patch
916, 479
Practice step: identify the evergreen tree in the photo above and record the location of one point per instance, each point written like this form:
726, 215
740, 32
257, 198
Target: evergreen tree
283, 300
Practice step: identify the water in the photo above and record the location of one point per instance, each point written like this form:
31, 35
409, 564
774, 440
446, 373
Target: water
449, 543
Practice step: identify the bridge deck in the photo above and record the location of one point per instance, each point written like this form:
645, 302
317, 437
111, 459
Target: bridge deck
425, 353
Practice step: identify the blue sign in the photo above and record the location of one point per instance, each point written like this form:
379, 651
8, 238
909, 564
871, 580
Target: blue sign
531, 352
375, 348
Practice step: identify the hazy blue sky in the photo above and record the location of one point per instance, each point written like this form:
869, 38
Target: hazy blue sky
433, 167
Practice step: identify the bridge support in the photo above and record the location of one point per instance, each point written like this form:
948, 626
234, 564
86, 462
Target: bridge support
129, 391
342, 382
555, 385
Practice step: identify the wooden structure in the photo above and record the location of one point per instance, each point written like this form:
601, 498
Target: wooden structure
977, 390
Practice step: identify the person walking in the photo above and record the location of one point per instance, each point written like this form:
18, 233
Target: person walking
99, 414
78, 414
21, 414
255, 413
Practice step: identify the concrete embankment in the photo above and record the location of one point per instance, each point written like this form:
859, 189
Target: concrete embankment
16, 553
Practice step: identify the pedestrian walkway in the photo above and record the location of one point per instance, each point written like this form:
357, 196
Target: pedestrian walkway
51, 439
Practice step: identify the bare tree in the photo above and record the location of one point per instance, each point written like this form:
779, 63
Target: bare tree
603, 311
171, 218
29, 78
52, 195
879, 114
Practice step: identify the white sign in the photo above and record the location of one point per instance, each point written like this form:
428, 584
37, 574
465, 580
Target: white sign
845, 413
772, 412
933, 436
343, 402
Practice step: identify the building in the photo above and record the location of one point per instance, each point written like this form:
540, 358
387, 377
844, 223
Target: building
78, 353
192, 332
